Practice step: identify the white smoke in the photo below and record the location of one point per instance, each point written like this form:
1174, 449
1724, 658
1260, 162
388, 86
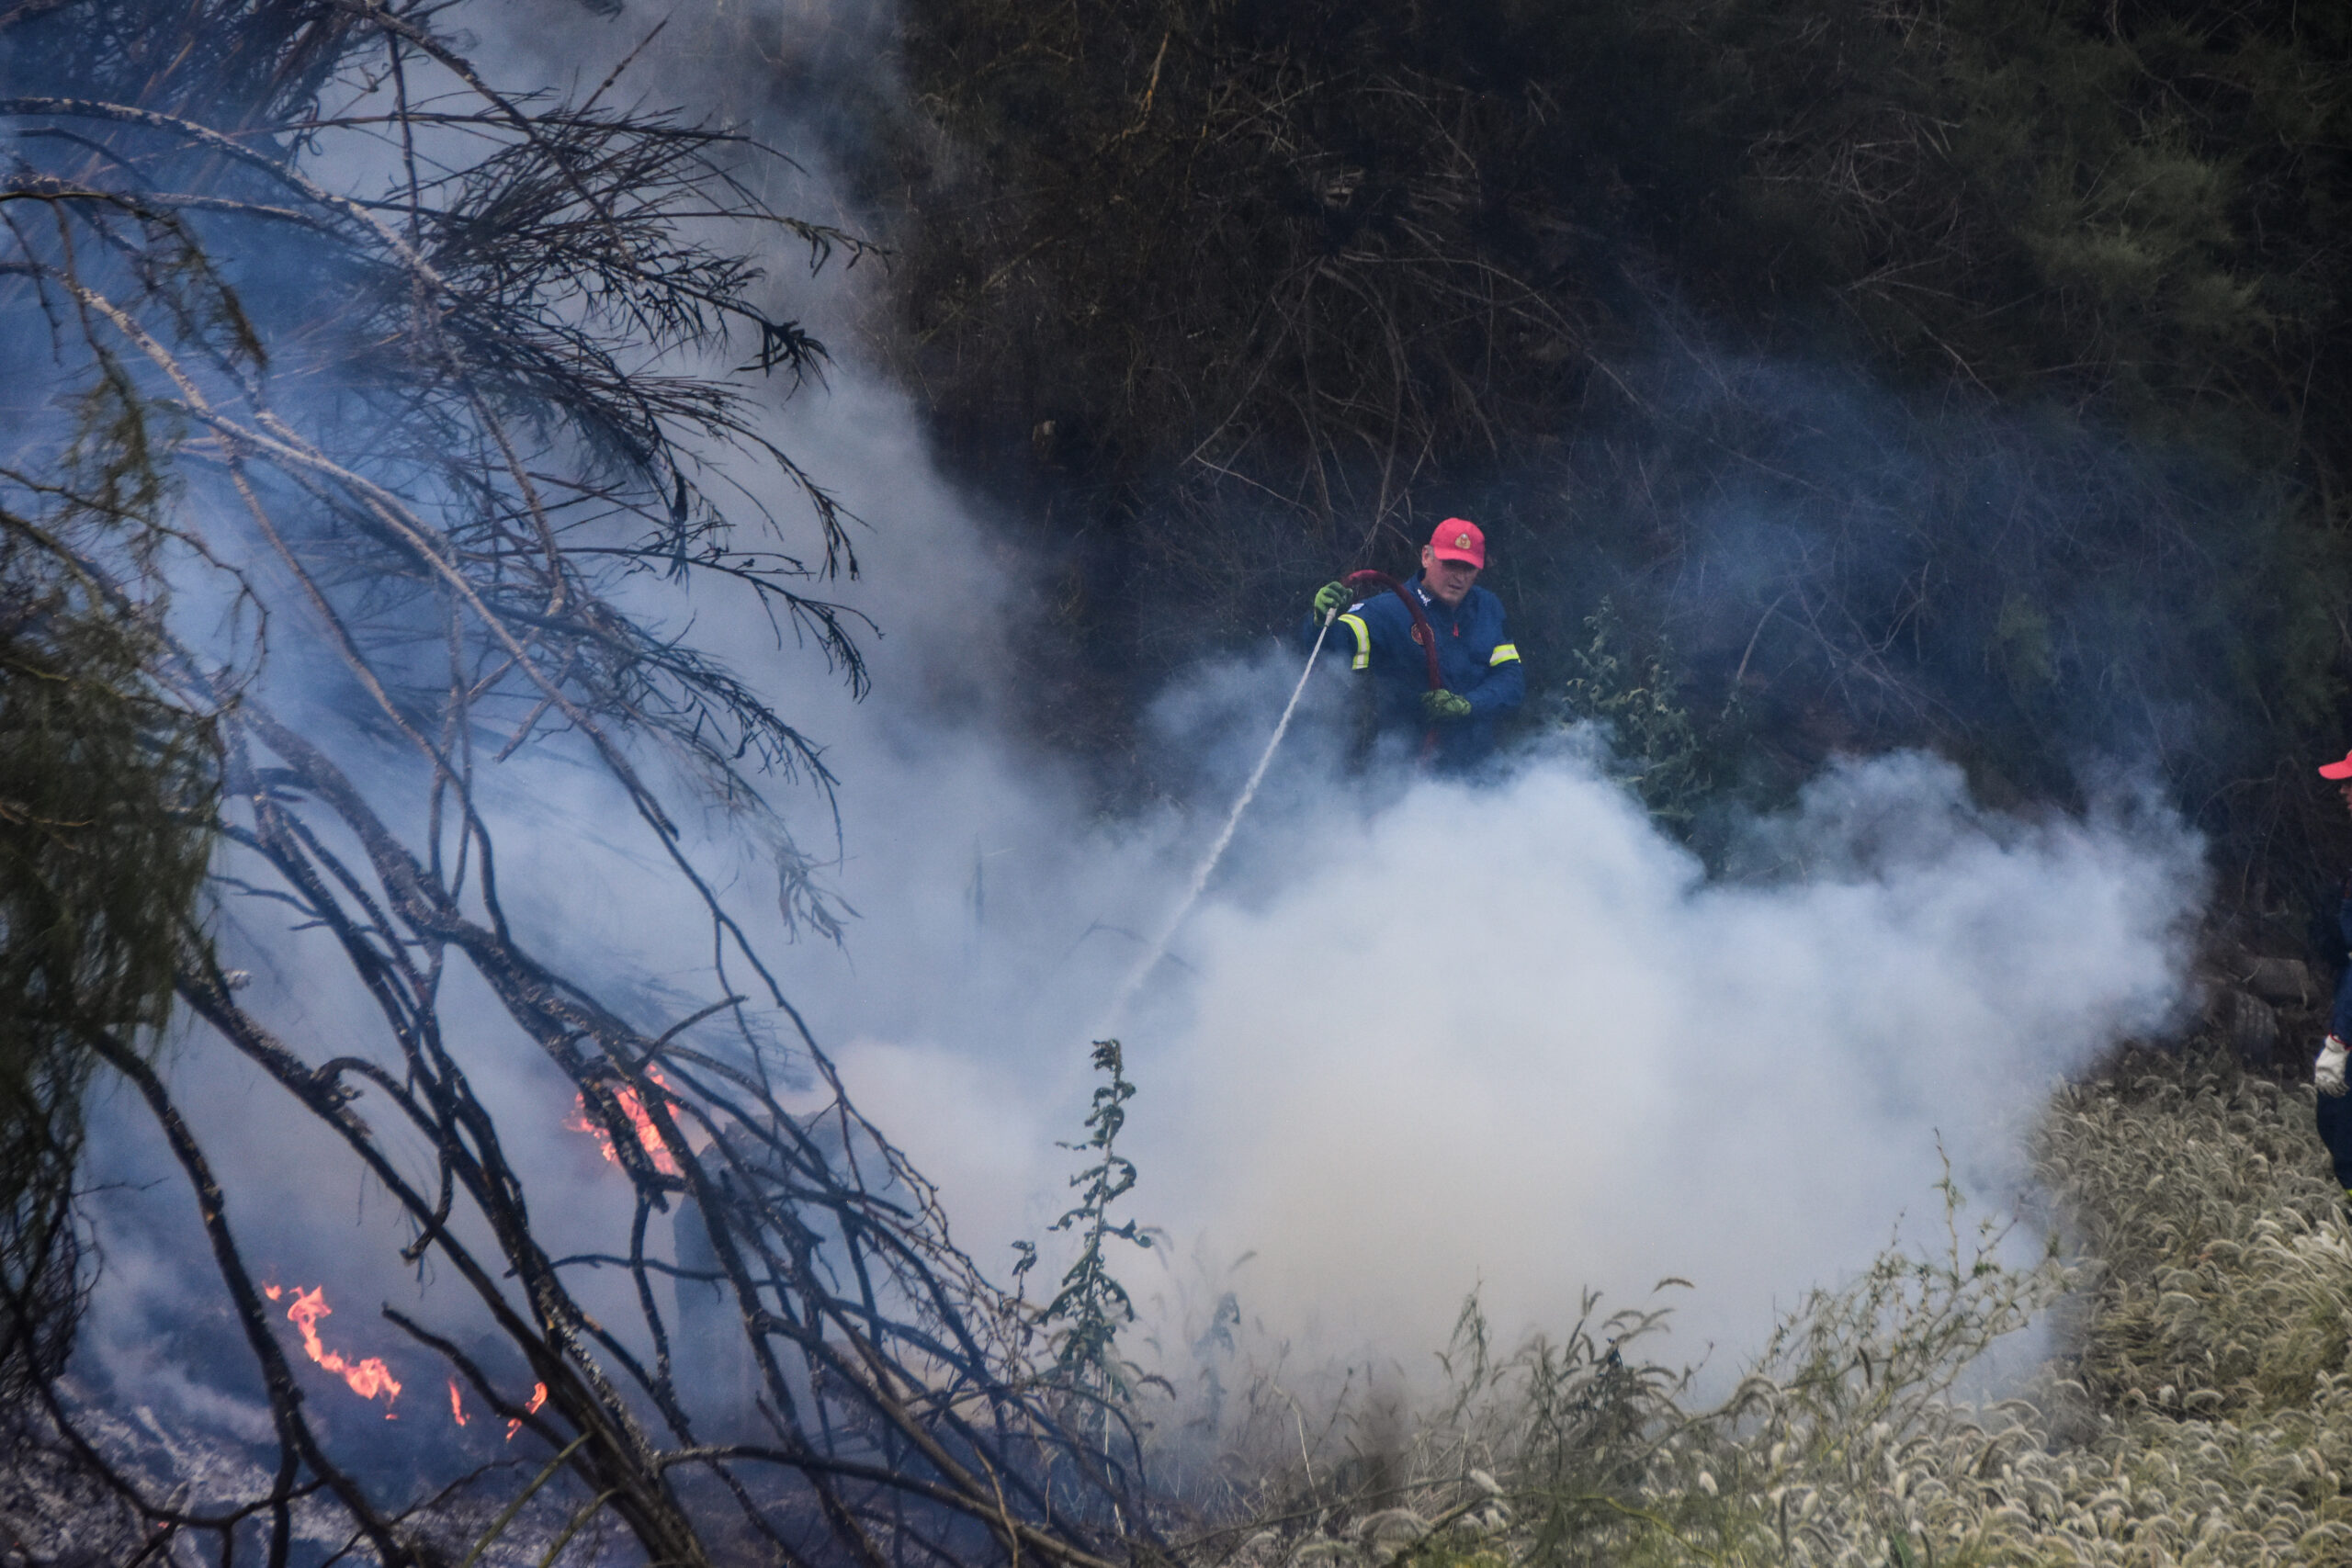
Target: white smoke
1422, 1036
1509, 1039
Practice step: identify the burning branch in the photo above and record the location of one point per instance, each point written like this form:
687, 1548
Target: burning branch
368, 1378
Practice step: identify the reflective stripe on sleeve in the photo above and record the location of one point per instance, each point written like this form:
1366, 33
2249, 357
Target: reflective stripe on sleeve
1364, 640
1504, 653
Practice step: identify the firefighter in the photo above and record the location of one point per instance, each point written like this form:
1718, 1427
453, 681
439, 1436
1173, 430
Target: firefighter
2327, 1072
1478, 663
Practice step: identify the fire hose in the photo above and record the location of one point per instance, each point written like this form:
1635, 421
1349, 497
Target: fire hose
1421, 634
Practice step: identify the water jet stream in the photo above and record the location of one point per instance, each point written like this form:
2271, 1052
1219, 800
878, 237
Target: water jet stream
1158, 949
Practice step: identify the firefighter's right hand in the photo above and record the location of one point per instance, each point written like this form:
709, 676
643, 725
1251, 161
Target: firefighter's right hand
2327, 1072
1330, 599
1445, 705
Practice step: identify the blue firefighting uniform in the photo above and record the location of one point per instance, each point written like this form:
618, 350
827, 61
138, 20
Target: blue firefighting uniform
1475, 658
2336, 1109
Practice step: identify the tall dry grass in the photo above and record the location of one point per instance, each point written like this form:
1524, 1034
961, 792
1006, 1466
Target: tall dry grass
2195, 1407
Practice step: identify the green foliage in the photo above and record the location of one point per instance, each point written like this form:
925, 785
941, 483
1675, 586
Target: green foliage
104, 802
1660, 752
107, 788
2158, 189
1084, 1320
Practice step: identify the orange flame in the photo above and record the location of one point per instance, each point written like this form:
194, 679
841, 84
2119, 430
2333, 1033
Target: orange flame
456, 1406
273, 1291
539, 1397
649, 1136
367, 1378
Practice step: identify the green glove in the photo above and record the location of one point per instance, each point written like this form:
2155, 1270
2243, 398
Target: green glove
1445, 705
1331, 597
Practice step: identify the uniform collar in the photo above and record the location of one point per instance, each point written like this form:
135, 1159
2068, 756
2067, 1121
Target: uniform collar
1433, 606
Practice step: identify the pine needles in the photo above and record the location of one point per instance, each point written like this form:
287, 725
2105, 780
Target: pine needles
106, 799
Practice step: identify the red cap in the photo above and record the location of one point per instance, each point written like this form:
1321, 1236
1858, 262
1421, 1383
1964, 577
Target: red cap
2342, 770
1458, 538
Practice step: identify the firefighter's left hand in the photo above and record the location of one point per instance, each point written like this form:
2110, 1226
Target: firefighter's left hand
1445, 705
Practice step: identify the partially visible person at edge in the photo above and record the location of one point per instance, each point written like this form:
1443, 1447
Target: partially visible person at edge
1477, 664
2327, 1072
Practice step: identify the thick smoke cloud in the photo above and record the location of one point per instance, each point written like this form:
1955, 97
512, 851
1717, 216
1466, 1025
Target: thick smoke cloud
1509, 1039
1423, 1036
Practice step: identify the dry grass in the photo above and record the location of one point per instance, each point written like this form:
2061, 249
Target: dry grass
2199, 1411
